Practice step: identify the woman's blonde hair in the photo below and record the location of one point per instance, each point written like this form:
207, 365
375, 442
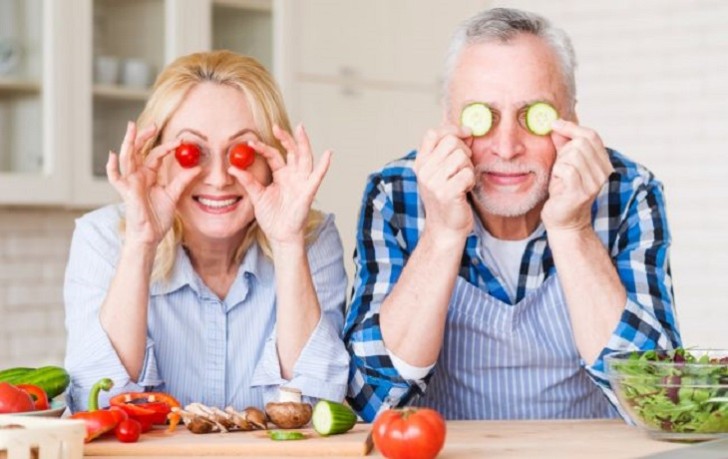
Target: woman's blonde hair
266, 103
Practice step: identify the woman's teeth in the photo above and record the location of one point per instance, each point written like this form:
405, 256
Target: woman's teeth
217, 204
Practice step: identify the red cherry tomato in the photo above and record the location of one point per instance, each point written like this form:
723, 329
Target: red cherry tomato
128, 431
188, 155
409, 434
242, 156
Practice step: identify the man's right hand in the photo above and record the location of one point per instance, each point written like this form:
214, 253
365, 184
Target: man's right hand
445, 175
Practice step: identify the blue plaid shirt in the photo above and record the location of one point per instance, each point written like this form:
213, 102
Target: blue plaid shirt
628, 216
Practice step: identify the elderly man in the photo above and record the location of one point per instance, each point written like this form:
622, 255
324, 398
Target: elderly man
499, 263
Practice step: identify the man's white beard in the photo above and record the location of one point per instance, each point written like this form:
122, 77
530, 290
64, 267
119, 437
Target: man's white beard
513, 206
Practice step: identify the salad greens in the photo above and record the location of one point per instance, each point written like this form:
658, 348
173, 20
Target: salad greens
673, 391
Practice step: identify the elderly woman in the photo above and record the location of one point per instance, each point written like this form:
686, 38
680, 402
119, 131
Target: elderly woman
213, 282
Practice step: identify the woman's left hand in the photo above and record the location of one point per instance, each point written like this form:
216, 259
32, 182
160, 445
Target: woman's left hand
281, 207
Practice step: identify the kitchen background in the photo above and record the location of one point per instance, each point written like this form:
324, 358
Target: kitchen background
364, 77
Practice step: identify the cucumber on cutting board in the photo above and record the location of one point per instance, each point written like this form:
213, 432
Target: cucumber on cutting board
539, 118
478, 117
331, 418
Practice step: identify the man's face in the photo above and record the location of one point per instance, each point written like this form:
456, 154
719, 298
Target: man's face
512, 165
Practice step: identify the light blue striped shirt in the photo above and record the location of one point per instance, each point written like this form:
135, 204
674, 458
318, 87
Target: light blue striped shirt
201, 348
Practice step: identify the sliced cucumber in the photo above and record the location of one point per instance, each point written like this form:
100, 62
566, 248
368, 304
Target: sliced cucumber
478, 117
285, 435
539, 118
330, 418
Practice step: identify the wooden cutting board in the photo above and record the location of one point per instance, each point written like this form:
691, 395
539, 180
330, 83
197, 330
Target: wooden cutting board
182, 442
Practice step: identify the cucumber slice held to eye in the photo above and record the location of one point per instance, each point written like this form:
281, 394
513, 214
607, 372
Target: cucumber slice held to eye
478, 117
539, 118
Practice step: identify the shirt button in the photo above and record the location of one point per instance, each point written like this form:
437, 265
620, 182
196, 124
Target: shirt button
474, 261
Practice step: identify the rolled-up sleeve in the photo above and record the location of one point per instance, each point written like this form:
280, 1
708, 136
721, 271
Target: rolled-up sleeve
321, 370
90, 355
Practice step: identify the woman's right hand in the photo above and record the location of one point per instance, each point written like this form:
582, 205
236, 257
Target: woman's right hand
150, 204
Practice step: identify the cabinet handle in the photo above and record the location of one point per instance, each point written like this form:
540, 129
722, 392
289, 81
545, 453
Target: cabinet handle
348, 76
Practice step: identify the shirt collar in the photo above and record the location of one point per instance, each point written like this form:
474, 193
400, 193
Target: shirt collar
255, 264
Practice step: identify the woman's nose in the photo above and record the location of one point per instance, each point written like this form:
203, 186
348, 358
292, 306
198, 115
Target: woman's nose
216, 171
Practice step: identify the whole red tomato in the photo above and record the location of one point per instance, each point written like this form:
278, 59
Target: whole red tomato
409, 434
242, 156
128, 431
14, 400
188, 155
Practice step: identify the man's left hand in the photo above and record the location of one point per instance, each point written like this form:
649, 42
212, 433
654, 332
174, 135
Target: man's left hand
581, 168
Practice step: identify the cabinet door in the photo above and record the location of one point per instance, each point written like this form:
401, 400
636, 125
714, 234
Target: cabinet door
124, 45
34, 83
366, 129
397, 41
244, 26
120, 46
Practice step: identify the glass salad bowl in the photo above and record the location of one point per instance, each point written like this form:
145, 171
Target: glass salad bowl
679, 395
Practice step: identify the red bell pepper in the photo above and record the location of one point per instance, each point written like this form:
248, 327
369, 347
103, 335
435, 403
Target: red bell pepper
40, 398
146, 407
98, 422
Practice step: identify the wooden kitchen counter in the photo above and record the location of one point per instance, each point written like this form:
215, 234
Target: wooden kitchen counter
518, 439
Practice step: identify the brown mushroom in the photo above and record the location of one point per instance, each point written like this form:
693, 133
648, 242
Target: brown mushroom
200, 425
289, 415
255, 417
289, 412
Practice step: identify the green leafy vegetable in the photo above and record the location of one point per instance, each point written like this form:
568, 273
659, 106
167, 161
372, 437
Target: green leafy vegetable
673, 391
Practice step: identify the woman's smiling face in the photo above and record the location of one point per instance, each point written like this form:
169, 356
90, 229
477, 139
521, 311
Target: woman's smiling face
214, 117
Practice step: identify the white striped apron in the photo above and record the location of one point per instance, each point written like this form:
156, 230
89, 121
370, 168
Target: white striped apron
502, 361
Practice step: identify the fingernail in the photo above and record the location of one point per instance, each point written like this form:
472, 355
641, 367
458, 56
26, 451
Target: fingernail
557, 123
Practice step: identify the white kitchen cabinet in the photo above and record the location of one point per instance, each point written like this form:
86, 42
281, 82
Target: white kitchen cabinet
84, 69
365, 130
149, 34
34, 131
365, 78
400, 41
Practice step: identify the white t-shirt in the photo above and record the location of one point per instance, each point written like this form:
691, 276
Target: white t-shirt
503, 258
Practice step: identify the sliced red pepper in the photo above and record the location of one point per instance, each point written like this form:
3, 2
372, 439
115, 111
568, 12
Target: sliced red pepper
145, 417
40, 398
98, 422
119, 414
146, 407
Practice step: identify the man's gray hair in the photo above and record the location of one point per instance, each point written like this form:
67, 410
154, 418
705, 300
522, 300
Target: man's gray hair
503, 25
